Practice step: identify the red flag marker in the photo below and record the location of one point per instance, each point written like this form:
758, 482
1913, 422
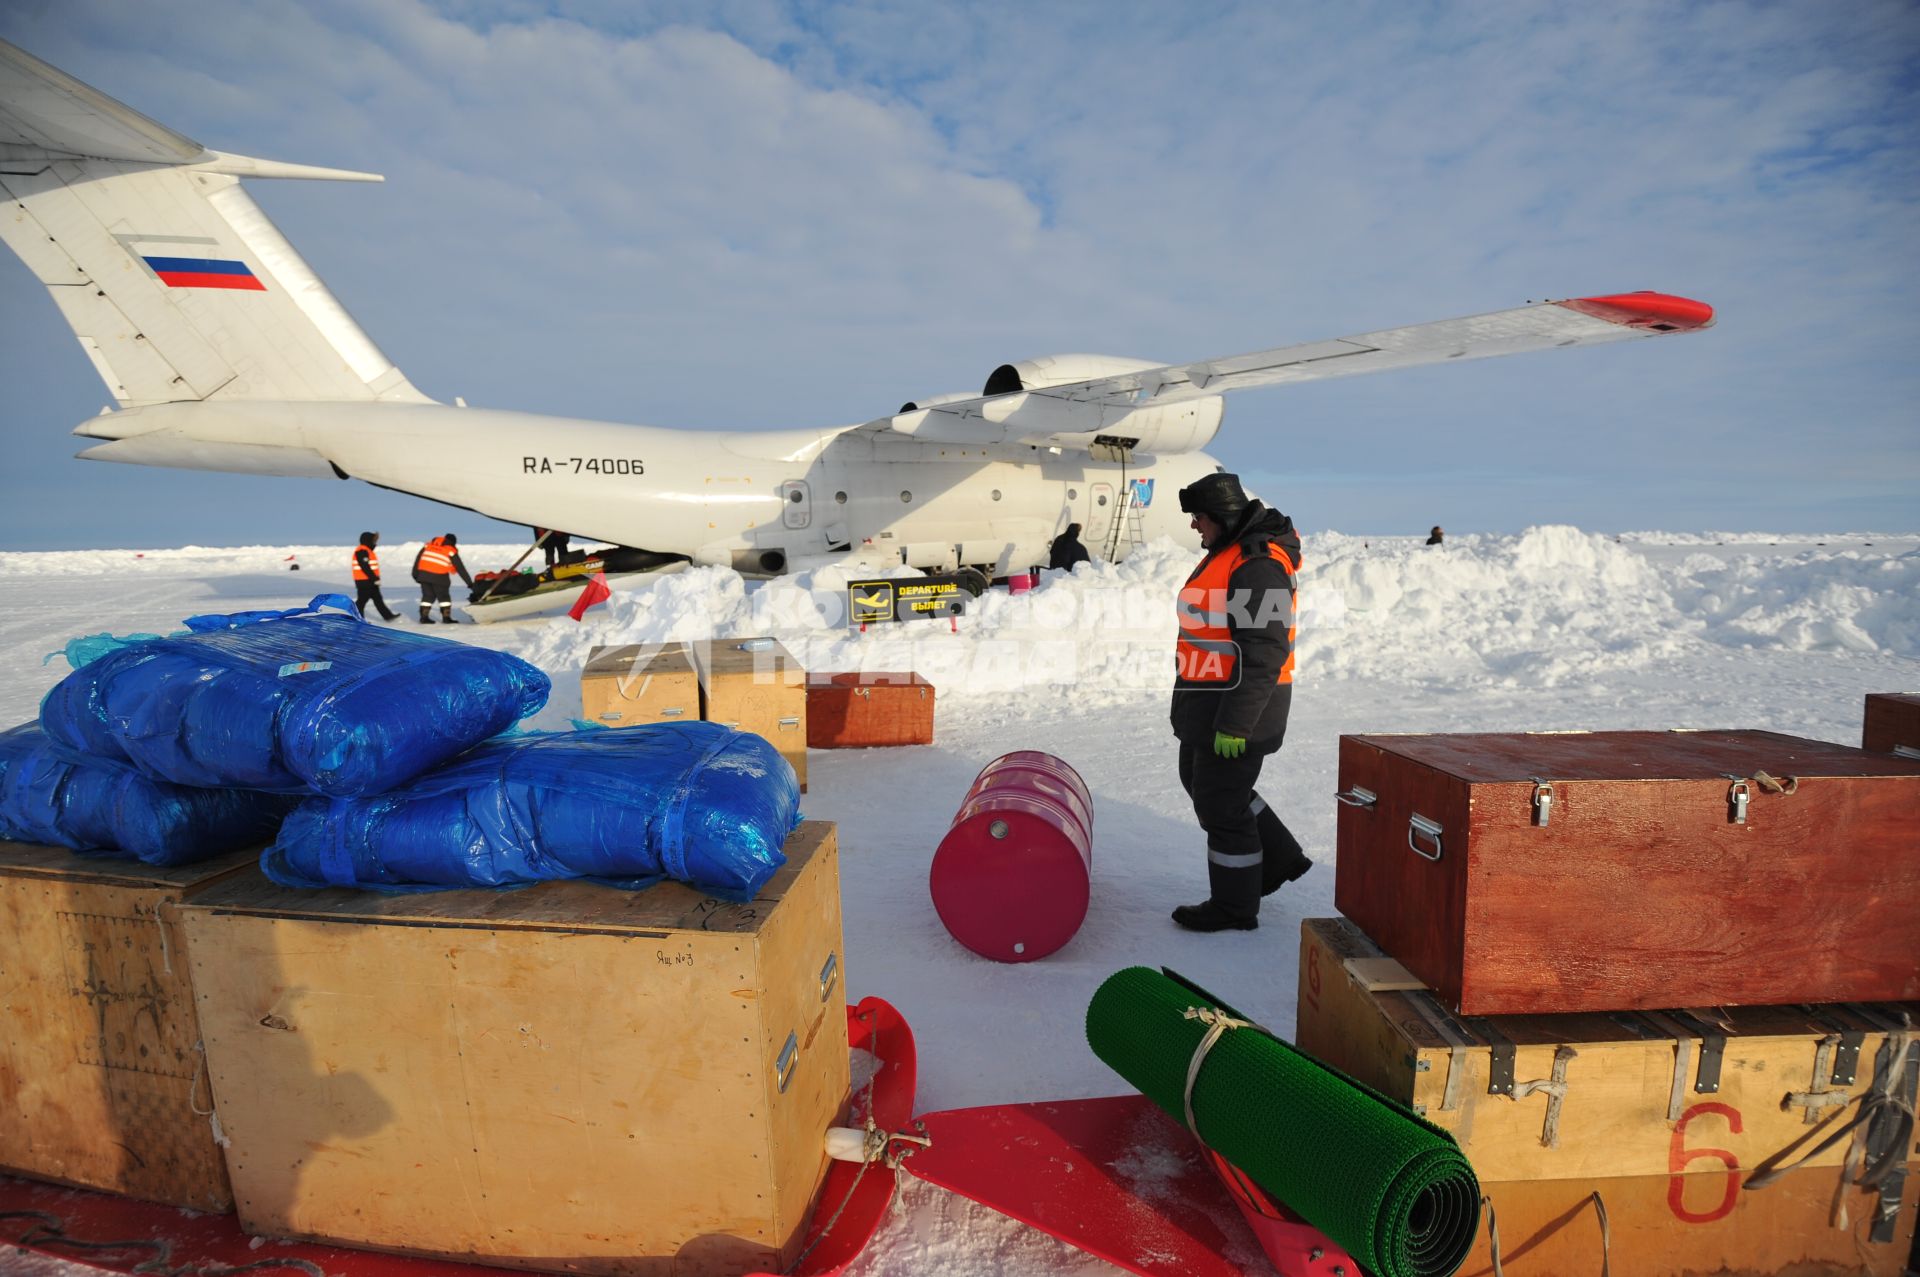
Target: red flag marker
597, 591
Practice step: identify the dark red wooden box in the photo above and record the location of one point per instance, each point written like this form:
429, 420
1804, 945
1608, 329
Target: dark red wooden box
1892, 723
1518, 874
853, 711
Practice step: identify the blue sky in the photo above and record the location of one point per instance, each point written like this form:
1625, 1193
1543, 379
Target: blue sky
759, 214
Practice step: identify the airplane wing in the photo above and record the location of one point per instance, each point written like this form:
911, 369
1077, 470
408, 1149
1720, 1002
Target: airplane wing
1060, 414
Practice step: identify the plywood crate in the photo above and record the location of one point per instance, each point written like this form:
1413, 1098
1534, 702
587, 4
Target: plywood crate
757, 686
1891, 724
1521, 873
99, 1072
1695, 1225
857, 711
639, 683
565, 1077
1637, 1089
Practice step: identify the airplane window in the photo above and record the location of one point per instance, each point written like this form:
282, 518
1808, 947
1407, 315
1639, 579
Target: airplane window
1103, 500
996, 494
1073, 494
840, 498
906, 496
796, 496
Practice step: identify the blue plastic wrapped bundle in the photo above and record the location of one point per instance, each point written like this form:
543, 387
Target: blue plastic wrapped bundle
697, 802
103, 805
290, 702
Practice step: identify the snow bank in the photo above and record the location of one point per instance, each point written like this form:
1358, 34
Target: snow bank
1547, 608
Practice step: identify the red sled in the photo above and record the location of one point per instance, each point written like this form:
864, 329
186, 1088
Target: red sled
1114, 1176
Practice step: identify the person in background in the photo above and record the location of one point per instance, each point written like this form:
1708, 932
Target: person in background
1067, 550
1232, 690
366, 577
555, 544
1436, 536
433, 568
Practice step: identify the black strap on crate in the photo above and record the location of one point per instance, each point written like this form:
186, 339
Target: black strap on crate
1500, 1061
1713, 1047
1846, 1051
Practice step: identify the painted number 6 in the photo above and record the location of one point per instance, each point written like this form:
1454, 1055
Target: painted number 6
1678, 1155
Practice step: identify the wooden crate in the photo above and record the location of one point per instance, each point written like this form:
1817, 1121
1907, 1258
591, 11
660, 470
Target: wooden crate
624, 686
1646, 881
565, 1077
1892, 723
99, 1075
758, 688
856, 711
1641, 1089
1694, 1225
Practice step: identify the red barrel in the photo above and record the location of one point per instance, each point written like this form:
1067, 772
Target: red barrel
1012, 877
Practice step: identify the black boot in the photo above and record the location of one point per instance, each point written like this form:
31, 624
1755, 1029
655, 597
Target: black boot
446, 616
1209, 916
426, 617
1282, 859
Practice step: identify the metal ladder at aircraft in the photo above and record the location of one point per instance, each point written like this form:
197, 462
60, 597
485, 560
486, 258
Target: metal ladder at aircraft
1125, 529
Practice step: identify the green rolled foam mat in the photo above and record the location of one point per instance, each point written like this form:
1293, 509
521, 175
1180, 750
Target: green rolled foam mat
1392, 1189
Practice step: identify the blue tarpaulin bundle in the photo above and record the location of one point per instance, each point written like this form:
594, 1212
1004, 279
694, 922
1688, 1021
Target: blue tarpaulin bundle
102, 805
291, 702
697, 802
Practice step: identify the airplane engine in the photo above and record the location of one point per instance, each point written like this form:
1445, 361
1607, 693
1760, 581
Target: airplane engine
1059, 370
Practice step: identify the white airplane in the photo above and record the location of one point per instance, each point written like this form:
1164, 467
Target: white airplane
225, 351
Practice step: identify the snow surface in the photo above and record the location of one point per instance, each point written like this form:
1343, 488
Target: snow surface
1553, 629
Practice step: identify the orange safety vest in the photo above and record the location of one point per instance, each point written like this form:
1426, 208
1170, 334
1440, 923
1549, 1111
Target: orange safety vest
373, 561
437, 557
1205, 651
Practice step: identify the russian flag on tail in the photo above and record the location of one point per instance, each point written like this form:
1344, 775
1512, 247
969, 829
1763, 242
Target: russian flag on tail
204, 272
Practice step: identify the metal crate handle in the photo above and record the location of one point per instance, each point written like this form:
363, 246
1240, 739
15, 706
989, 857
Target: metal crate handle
1419, 827
789, 1057
1358, 797
829, 976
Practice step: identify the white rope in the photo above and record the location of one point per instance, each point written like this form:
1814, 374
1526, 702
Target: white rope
166, 950
193, 1097
1217, 1022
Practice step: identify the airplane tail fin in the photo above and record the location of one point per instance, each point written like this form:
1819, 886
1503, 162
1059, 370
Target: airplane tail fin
177, 285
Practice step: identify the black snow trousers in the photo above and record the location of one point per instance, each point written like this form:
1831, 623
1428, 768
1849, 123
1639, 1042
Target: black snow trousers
1250, 851
365, 592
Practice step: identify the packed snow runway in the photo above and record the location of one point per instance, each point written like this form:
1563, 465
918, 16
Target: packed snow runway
1555, 629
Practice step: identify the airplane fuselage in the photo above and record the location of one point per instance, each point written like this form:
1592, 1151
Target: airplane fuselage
763, 502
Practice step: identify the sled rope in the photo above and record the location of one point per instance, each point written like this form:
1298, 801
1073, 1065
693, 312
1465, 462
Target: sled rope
1217, 1022
50, 1230
877, 1147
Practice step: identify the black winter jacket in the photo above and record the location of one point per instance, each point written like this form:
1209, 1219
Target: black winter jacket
1255, 706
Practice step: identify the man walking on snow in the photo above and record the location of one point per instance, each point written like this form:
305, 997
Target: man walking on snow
1231, 694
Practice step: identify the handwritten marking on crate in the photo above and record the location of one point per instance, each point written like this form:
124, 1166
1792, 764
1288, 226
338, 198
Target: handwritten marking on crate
129, 1014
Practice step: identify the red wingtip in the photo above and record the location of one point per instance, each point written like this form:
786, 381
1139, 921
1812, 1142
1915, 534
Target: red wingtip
1661, 312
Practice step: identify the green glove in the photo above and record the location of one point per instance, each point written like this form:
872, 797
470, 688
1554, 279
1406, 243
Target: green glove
1229, 746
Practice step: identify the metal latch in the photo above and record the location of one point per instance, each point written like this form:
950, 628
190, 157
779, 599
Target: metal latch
829, 975
1738, 796
1419, 827
790, 722
1358, 797
1906, 751
1542, 801
789, 1056
673, 711
1846, 1058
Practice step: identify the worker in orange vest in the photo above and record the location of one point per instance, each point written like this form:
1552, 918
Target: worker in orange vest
1232, 689
433, 568
366, 577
